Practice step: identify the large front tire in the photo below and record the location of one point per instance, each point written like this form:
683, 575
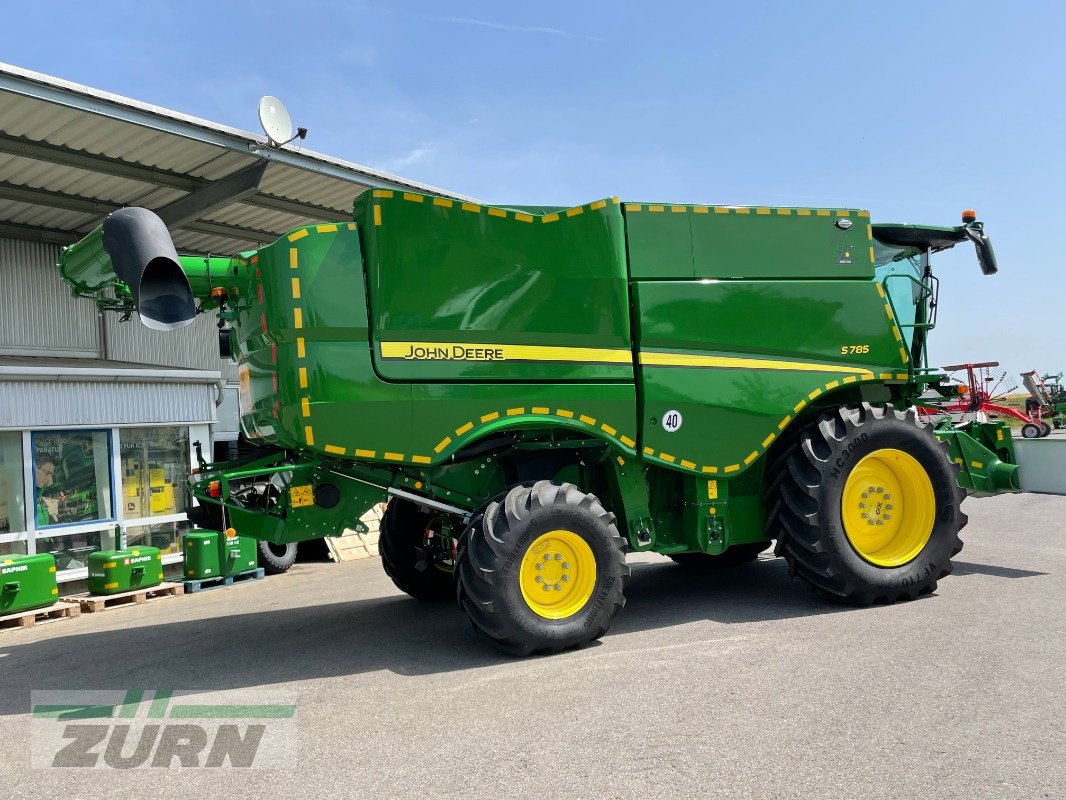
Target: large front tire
542, 570
865, 506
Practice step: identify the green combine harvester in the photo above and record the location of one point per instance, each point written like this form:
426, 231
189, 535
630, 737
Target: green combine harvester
540, 390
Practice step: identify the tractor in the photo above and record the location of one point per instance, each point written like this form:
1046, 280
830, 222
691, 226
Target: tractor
1047, 399
540, 390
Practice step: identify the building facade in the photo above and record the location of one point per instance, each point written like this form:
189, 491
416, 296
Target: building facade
101, 419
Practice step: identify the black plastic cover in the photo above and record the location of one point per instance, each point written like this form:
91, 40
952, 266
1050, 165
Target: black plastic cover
143, 256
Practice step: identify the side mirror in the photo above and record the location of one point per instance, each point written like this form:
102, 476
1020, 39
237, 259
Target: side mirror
986, 256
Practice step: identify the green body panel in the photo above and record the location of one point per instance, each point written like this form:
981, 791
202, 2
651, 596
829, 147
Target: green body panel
768, 347
27, 582
201, 551
984, 452
471, 278
237, 554
115, 571
85, 265
208, 273
694, 241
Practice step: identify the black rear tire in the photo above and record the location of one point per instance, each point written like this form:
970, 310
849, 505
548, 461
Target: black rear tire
276, 558
806, 494
405, 557
735, 556
492, 563
1031, 430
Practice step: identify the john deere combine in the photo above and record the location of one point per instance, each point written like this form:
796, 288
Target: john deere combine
539, 390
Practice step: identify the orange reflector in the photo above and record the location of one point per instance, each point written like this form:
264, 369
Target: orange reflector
969, 216
214, 489
962, 389
230, 533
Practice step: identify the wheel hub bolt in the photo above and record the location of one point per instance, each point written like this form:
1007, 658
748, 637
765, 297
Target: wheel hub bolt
547, 556
540, 579
566, 565
547, 587
558, 588
566, 577
558, 556
869, 522
865, 516
540, 565
888, 507
880, 522
888, 497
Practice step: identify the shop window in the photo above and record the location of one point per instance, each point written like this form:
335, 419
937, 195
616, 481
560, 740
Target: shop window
166, 536
71, 551
13, 548
155, 470
72, 470
12, 514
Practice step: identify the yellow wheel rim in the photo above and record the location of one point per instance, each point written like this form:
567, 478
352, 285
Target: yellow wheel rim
558, 574
888, 507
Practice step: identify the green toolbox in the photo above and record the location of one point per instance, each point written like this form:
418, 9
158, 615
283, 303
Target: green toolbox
114, 571
27, 582
236, 554
201, 550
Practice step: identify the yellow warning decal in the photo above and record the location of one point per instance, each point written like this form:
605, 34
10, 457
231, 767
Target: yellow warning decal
301, 496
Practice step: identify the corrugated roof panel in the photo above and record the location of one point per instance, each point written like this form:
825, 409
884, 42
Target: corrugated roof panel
41, 174
42, 217
262, 219
23, 116
97, 124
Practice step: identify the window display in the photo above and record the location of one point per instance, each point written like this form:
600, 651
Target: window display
166, 536
12, 515
72, 551
12, 548
155, 469
72, 470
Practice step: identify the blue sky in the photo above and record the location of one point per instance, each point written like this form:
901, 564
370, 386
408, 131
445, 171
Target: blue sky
914, 110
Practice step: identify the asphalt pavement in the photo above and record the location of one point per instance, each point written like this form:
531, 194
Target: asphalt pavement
737, 684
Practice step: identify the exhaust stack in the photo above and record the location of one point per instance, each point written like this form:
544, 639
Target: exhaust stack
133, 247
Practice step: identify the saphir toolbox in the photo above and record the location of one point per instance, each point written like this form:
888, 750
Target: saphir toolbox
114, 571
27, 582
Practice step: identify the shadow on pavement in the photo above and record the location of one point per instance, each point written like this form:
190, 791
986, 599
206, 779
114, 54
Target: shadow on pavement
966, 568
394, 633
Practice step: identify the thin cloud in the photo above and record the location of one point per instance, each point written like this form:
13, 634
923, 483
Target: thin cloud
500, 26
416, 156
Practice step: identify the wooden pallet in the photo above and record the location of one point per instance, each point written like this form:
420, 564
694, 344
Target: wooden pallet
90, 603
223, 580
27, 619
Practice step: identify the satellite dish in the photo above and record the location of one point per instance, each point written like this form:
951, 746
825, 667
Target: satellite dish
275, 119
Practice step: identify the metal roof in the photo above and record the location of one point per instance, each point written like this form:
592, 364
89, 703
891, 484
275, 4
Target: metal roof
39, 368
70, 154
